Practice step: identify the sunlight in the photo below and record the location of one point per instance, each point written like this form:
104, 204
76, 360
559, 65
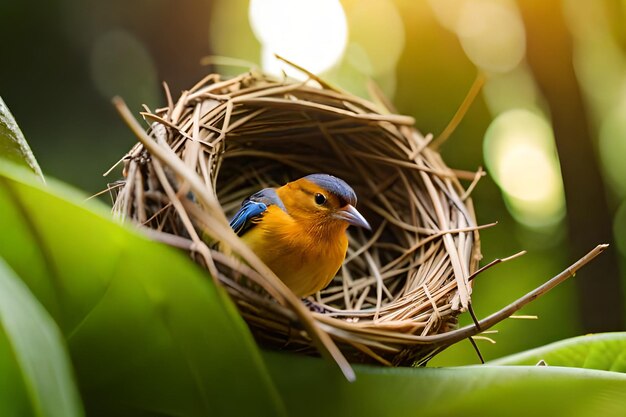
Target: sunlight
311, 33
520, 154
511, 90
492, 34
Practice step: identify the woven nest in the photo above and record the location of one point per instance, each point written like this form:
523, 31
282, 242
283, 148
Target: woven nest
398, 294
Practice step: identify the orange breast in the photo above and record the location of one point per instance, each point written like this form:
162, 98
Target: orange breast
304, 258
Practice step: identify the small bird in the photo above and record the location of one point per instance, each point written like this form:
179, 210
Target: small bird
299, 230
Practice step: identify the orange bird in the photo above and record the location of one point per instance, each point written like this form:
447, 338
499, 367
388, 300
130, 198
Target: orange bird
299, 230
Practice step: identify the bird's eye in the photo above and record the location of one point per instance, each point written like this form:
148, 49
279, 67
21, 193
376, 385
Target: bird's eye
320, 199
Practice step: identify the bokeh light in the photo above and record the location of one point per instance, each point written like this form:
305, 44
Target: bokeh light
491, 32
311, 33
519, 152
376, 40
447, 12
511, 90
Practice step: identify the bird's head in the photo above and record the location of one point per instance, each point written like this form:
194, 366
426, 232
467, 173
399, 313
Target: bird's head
324, 199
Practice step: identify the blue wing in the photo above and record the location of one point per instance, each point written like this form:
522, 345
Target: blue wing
253, 208
243, 219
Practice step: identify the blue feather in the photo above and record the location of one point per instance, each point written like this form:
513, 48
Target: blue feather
249, 211
253, 208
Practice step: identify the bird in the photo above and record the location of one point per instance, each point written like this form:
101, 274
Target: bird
299, 229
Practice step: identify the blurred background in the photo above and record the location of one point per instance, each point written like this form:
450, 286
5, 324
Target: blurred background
549, 125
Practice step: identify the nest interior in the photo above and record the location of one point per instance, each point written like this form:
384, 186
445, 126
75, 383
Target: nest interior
401, 284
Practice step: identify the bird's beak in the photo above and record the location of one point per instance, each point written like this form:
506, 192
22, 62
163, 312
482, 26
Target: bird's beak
353, 217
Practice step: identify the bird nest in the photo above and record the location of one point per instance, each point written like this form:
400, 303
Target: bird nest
397, 296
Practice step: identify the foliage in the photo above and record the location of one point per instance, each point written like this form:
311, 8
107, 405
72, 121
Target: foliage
606, 351
34, 365
466, 391
145, 329
13, 145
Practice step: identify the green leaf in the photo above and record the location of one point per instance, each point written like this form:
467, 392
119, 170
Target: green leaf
311, 387
603, 351
33, 355
147, 330
13, 145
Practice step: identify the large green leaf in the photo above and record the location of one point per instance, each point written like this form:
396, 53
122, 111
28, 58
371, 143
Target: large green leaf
35, 371
13, 145
148, 332
311, 387
604, 351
